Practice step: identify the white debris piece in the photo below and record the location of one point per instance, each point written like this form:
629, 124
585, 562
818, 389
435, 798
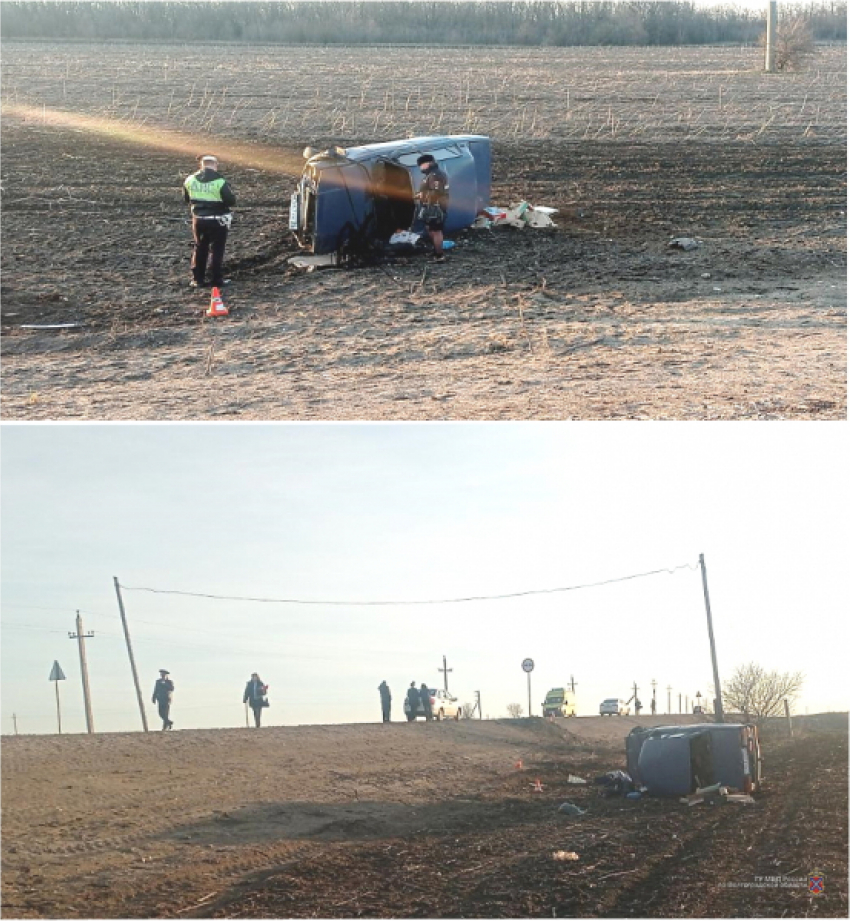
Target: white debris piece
684, 243
309, 261
405, 236
519, 215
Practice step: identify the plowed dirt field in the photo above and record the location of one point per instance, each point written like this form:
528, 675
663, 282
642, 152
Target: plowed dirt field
595, 319
408, 820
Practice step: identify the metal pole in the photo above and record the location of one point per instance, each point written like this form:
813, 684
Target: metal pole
770, 42
669, 708
528, 675
15, 721
130, 654
788, 718
58, 711
718, 713
680, 702
81, 637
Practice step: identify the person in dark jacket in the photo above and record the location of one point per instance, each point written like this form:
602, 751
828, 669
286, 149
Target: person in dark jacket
162, 692
211, 198
433, 201
412, 701
255, 697
425, 697
386, 700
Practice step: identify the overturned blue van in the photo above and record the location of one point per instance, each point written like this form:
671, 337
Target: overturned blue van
357, 197
677, 760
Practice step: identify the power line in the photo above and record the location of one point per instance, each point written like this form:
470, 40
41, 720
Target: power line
305, 601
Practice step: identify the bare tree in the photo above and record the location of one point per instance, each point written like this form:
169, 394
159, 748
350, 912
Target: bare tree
793, 45
759, 694
514, 711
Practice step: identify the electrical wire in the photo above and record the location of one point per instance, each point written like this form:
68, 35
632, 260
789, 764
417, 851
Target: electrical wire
388, 603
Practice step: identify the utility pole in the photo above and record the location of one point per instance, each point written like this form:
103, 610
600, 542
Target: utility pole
635, 699
770, 42
718, 705
15, 721
680, 702
81, 638
478, 704
445, 672
669, 689
130, 654
654, 703
572, 684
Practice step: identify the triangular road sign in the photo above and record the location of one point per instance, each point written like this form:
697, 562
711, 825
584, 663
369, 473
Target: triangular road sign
56, 673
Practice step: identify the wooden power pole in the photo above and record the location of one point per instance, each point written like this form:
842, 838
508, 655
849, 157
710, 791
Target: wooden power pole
445, 672
130, 653
718, 705
81, 638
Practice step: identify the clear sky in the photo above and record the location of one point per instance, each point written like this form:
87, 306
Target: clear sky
416, 511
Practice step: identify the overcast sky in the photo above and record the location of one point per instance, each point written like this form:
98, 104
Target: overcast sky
386, 512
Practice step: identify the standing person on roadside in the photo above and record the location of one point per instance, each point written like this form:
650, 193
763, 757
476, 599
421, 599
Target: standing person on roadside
386, 700
162, 692
425, 697
412, 701
255, 697
211, 199
433, 201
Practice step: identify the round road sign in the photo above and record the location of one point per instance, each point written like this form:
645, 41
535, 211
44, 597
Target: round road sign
528, 665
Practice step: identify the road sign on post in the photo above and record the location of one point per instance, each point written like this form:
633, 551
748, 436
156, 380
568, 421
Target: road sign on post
528, 668
57, 675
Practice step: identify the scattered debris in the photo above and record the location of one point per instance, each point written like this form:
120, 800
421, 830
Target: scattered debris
538, 787
573, 779
634, 794
685, 243
716, 793
404, 238
571, 809
310, 261
565, 855
50, 325
615, 783
520, 215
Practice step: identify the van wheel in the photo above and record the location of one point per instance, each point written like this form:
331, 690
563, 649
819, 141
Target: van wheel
459, 712
410, 717
440, 714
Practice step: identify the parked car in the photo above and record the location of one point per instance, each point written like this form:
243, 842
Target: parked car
443, 706
612, 706
358, 197
676, 760
559, 702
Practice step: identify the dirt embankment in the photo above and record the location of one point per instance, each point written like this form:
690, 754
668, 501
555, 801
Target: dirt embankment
406, 821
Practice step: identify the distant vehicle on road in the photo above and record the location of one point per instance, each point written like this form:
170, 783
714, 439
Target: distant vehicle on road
612, 706
559, 702
443, 706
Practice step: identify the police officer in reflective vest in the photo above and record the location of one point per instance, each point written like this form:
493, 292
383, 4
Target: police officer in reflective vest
211, 199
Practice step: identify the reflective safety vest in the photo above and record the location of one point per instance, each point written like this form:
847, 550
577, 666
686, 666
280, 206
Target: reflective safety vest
204, 191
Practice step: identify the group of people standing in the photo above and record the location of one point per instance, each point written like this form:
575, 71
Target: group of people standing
416, 697
255, 697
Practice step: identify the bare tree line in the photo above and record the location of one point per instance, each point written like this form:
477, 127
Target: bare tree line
485, 22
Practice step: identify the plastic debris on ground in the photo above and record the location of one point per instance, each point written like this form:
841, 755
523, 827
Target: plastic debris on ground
565, 855
571, 809
404, 236
716, 793
311, 261
520, 215
573, 779
685, 243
